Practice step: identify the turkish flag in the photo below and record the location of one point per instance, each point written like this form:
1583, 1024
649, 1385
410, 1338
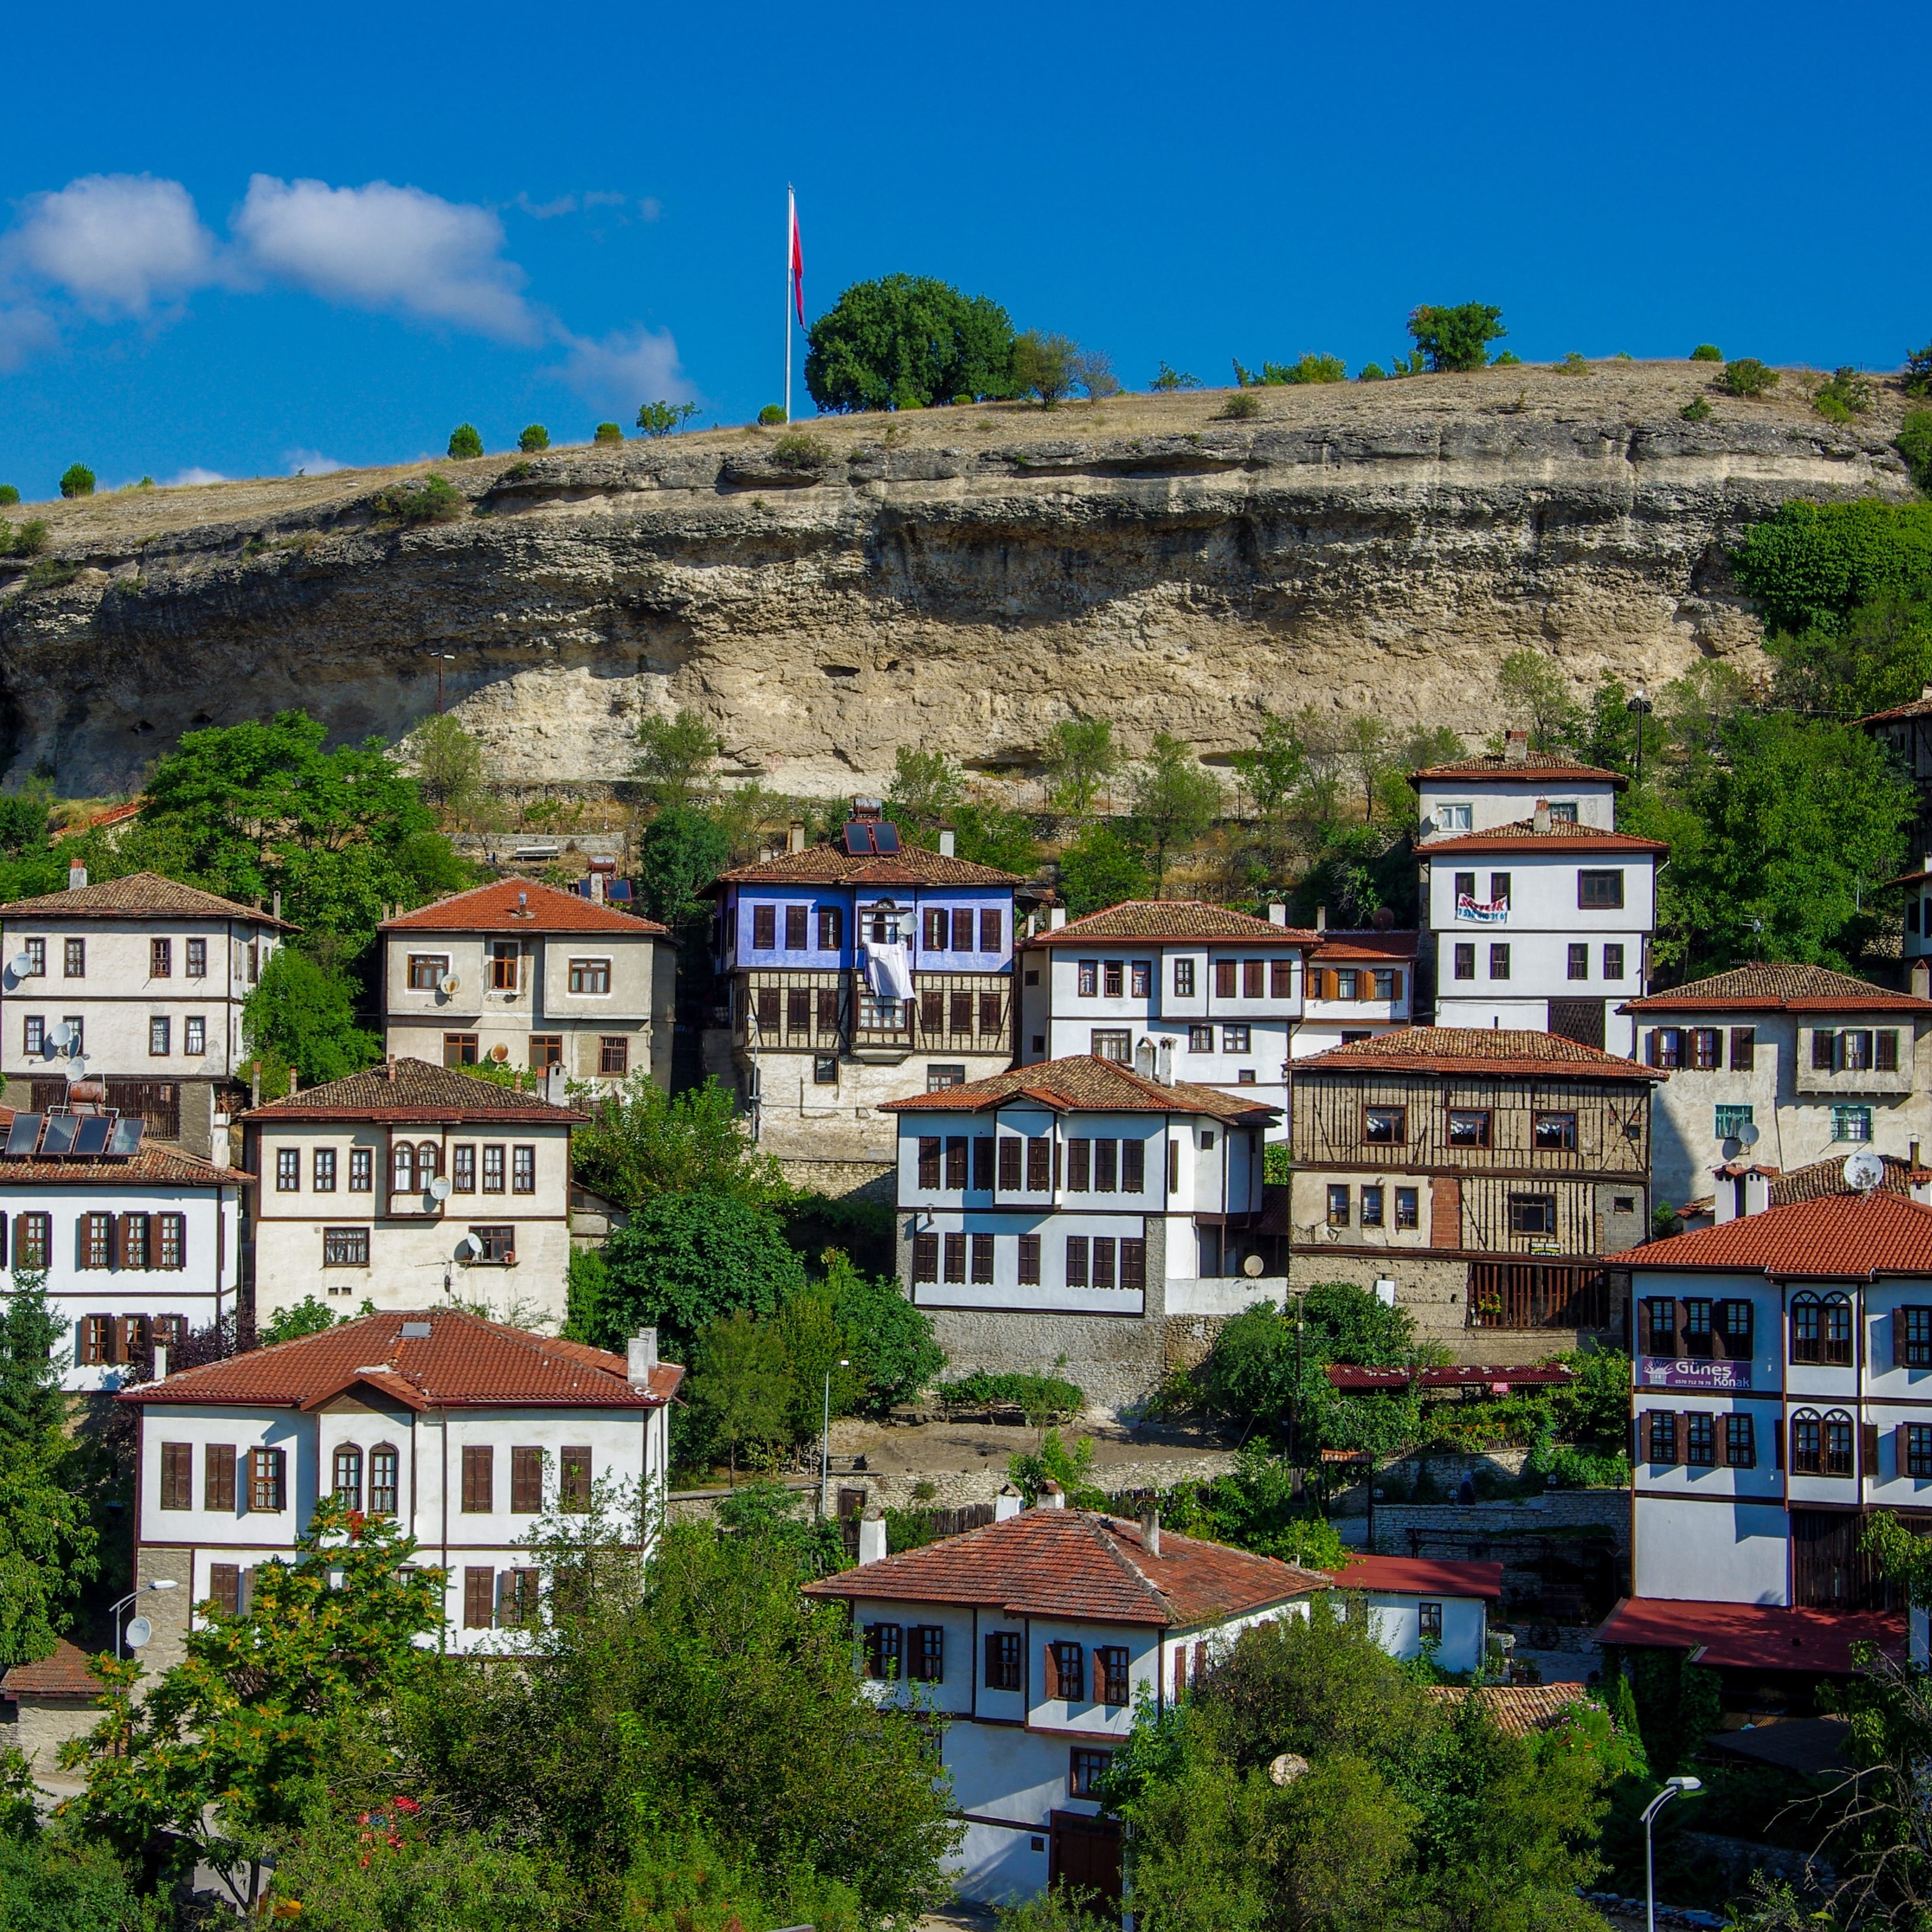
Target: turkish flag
797, 263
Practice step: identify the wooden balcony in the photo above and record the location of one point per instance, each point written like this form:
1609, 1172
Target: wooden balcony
775, 1011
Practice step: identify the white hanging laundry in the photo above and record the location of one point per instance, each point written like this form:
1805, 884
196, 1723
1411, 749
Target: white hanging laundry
889, 971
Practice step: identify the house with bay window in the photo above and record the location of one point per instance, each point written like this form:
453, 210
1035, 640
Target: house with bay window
856, 972
407, 1184
1773, 1067
523, 975
1071, 1211
464, 1432
1034, 1637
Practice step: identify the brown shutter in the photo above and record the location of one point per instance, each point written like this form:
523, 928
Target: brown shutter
525, 1481
1050, 1676
124, 1228
573, 1477
479, 1591
1395, 985
1180, 1672
478, 1476
1681, 1439
1868, 1451
1200, 1662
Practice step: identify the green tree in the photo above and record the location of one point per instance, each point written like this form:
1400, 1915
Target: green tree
227, 1748
77, 481
1044, 366
1175, 800
465, 441
1167, 380
662, 418
742, 1389
685, 1260
56, 1881
32, 1407
926, 790
449, 763
534, 440
680, 853
1535, 695
608, 432
1100, 869
908, 342
1748, 376
303, 1015
1881, 656
1457, 337
1078, 758
991, 835
1274, 769
1809, 566
9, 494
889, 1341
640, 1142
1914, 442
309, 1316
673, 755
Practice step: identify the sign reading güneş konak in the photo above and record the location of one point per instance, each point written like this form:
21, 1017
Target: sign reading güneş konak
1662, 1372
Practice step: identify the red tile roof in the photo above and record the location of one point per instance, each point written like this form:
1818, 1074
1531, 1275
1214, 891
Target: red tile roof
1828, 1177
1420, 1577
832, 865
1464, 1375
1919, 707
139, 895
1753, 1636
149, 1166
1518, 1710
463, 1362
412, 1090
1523, 836
1533, 765
98, 821
1476, 1050
1778, 987
1075, 1563
523, 905
1153, 920
1854, 1236
1083, 1083
1337, 947
66, 1674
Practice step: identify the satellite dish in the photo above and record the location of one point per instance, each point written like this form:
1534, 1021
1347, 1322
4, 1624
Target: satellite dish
1252, 1266
62, 1035
500, 1053
1747, 1134
76, 1067
439, 1188
21, 964
449, 983
139, 1631
469, 1247
1864, 1171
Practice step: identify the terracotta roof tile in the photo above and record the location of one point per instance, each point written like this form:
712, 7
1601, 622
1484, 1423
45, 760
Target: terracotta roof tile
139, 895
1759, 1637
1518, 1710
1075, 1563
1533, 765
1828, 1177
832, 865
1841, 1235
1151, 920
66, 1674
523, 905
1586, 839
1421, 1577
463, 1362
1338, 946
417, 1091
1082, 1083
1919, 707
1775, 986
1503, 1050
150, 1164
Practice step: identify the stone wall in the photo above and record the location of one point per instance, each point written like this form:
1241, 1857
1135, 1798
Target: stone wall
868, 1180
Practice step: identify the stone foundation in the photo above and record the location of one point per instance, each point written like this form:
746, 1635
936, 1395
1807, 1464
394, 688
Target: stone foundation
1118, 1359
868, 1180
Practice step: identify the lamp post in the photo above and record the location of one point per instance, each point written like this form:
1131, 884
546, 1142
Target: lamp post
1672, 1787
159, 1583
449, 657
825, 1448
1639, 707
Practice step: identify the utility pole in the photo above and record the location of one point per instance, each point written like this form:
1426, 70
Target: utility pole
441, 658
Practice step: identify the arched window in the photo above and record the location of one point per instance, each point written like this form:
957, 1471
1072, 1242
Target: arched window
405, 1178
349, 1475
1838, 1444
382, 1461
1807, 1444
429, 1163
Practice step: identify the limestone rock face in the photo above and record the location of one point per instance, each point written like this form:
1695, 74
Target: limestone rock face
961, 584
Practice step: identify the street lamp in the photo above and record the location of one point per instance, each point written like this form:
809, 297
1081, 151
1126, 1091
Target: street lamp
825, 1448
441, 658
1639, 707
1672, 1787
159, 1583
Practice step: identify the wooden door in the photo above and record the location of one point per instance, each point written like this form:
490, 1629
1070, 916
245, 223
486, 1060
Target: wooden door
1084, 1855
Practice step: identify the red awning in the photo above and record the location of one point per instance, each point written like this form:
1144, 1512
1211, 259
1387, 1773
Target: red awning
1752, 1636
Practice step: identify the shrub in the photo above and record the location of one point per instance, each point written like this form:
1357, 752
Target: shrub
1372, 372
1457, 337
31, 539
1748, 376
1310, 368
1695, 410
1241, 405
772, 413
1043, 366
1914, 443
1166, 379
801, 451
1918, 372
1093, 371
533, 439
608, 433
1506, 358
1847, 395
464, 441
1044, 1398
662, 418
8, 494
51, 573
433, 500
905, 341
1707, 352
79, 480
1574, 364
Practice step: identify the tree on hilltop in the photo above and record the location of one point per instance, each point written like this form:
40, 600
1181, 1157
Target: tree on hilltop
908, 342
1457, 337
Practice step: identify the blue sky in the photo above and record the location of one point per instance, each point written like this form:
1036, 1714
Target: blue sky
242, 241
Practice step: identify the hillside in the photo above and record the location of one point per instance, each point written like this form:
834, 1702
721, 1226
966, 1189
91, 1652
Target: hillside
959, 579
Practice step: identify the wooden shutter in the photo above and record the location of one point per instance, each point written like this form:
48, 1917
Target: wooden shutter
573, 1477
1224, 978
1009, 1164
1885, 1056
1395, 985
479, 1592
1050, 1682
1682, 1436
224, 1587
218, 1476
931, 1013
1200, 1662
1868, 1451
525, 1481
1180, 1671
478, 1476
177, 1475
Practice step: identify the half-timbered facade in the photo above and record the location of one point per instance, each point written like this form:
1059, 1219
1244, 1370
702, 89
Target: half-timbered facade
1484, 1178
857, 972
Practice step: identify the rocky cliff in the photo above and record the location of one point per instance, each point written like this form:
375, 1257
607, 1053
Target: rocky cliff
959, 580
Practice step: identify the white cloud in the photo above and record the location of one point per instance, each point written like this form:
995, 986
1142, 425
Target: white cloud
625, 370
545, 211
117, 244
650, 208
381, 247
192, 476
24, 332
311, 463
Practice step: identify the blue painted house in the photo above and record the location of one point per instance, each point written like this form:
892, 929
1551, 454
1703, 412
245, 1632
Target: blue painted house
859, 971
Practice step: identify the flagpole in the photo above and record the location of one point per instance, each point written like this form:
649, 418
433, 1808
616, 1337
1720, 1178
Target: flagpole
791, 221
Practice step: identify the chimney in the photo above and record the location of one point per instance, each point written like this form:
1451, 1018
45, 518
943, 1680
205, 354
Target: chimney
1757, 1192
1922, 979
1052, 1495
276, 903
872, 1535
945, 842
1056, 918
795, 835
1539, 818
1163, 1064
596, 888
1320, 918
1144, 1058
1005, 1504
1150, 1530
1277, 913
294, 1079
1516, 748
556, 1086
77, 876
643, 1357
389, 1068
161, 1361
